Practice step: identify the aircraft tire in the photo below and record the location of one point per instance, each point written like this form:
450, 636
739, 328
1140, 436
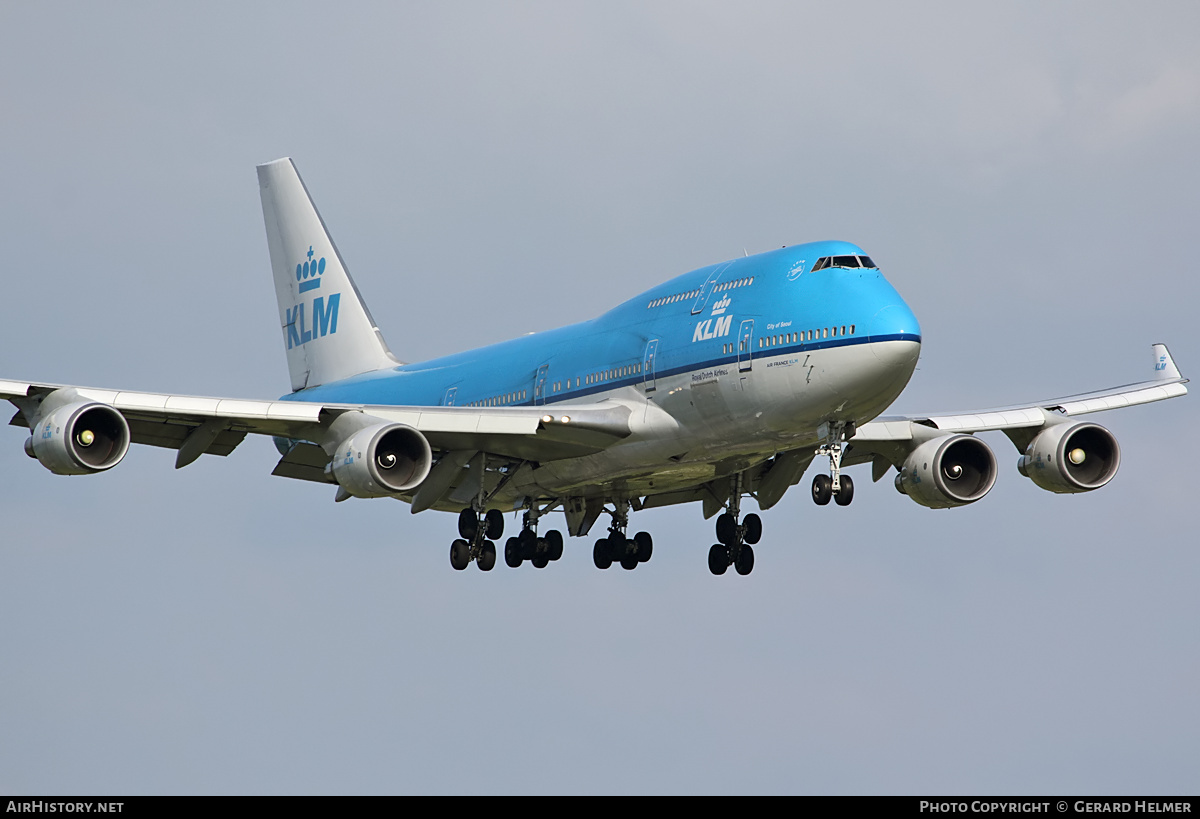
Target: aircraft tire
512, 553
822, 489
528, 543
494, 520
846, 493
645, 546
745, 561
718, 558
487, 556
629, 562
753, 527
540, 561
460, 554
727, 529
554, 544
468, 524
602, 554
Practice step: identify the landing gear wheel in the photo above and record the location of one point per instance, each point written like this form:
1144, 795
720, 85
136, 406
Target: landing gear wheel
745, 560
602, 554
727, 529
645, 546
494, 524
845, 493
822, 489
468, 524
512, 553
554, 544
541, 560
487, 556
718, 558
460, 554
527, 541
629, 562
753, 528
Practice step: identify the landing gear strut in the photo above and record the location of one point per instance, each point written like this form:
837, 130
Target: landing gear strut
618, 547
735, 538
539, 551
834, 486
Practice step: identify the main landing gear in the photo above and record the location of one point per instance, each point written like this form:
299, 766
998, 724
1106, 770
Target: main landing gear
735, 538
528, 546
618, 547
835, 485
478, 532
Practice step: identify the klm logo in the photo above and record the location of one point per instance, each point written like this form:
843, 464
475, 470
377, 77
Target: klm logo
715, 327
309, 273
1162, 363
323, 314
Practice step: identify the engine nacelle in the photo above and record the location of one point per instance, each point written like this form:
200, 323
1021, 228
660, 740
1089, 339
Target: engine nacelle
951, 470
79, 438
1071, 458
382, 460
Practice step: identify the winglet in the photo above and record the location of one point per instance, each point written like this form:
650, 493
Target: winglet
1164, 365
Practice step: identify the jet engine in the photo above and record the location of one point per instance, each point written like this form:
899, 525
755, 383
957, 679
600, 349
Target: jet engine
381, 460
1071, 458
80, 438
950, 470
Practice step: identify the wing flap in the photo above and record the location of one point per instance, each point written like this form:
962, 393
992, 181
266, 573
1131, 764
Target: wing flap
305, 462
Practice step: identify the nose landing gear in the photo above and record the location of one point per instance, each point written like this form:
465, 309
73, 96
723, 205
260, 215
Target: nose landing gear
835, 486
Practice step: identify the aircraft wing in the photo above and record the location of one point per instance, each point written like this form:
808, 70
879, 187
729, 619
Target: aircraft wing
890, 436
198, 425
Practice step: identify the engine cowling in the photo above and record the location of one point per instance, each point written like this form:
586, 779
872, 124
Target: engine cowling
80, 438
951, 470
1067, 458
382, 460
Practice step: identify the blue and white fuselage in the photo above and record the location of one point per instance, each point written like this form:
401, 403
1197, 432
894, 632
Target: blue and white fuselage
734, 361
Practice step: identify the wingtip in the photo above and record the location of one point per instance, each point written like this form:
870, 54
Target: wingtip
1165, 368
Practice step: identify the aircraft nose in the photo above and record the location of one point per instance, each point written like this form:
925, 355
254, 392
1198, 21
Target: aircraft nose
895, 342
894, 322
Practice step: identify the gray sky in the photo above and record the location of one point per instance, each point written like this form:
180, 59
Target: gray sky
1024, 173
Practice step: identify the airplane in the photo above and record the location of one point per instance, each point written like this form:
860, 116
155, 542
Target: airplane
716, 386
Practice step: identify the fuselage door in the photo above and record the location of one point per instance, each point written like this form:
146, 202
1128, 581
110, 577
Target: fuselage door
648, 364
745, 345
448, 401
539, 384
706, 290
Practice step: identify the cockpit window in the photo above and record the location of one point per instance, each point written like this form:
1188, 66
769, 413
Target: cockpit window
842, 261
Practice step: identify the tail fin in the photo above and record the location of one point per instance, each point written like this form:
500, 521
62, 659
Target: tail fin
327, 329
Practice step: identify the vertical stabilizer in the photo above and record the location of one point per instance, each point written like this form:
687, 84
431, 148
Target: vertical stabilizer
328, 331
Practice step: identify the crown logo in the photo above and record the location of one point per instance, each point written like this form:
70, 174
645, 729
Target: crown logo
720, 306
308, 273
